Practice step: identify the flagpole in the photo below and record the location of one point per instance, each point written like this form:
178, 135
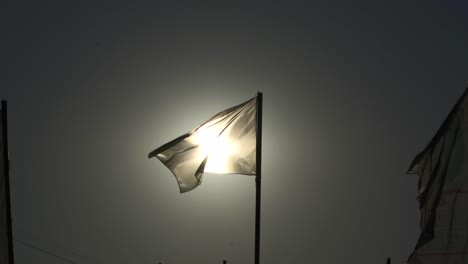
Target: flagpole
258, 177
6, 168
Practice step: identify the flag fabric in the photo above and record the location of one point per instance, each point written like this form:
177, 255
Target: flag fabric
226, 143
4, 224
442, 168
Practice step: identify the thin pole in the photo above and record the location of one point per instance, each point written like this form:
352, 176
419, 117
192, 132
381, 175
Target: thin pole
258, 177
6, 168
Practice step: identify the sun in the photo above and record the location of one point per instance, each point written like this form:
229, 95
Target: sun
218, 148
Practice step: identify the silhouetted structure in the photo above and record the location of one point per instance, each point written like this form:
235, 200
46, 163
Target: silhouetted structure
6, 234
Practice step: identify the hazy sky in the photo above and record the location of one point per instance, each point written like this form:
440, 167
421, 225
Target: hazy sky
353, 90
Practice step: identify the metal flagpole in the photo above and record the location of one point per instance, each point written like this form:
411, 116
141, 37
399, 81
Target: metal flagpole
6, 163
258, 177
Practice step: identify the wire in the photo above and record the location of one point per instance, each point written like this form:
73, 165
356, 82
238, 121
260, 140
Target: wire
45, 251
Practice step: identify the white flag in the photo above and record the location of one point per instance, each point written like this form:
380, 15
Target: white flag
226, 143
443, 192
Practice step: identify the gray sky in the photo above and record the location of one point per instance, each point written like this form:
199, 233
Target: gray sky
353, 90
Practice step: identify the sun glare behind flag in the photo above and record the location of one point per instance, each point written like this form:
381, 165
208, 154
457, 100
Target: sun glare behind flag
226, 143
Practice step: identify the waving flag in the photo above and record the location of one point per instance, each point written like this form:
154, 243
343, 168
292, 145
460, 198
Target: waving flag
443, 192
226, 143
